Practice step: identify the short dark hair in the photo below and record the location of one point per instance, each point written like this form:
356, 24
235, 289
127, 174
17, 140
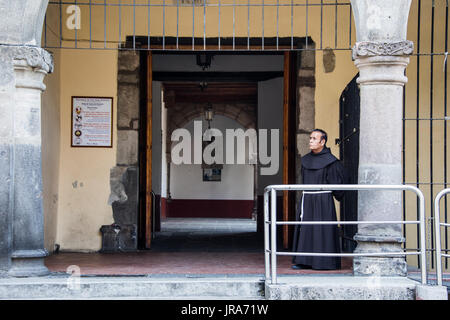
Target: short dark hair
324, 134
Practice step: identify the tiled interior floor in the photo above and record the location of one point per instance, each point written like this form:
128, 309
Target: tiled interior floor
188, 246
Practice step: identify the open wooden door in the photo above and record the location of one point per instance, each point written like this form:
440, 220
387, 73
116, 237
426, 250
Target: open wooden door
148, 155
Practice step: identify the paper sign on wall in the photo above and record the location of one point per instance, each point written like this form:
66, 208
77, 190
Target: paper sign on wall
92, 122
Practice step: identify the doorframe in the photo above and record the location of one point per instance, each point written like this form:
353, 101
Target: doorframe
289, 142
146, 200
148, 154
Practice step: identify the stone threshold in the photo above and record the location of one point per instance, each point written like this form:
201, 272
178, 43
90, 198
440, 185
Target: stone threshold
214, 287
351, 288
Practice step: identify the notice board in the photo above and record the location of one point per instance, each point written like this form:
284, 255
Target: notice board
92, 119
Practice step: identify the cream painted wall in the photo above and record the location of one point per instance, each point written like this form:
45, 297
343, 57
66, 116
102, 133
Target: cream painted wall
84, 172
236, 183
329, 87
50, 119
51, 131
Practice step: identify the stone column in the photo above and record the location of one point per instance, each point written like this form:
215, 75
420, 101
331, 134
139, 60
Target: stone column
23, 66
28, 66
6, 145
381, 55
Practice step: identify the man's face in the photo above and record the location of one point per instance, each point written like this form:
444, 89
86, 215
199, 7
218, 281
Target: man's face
316, 143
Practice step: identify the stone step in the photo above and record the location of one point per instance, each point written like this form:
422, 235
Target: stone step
349, 288
135, 287
305, 287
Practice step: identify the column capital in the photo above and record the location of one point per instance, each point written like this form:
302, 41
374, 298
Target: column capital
34, 57
30, 65
377, 48
382, 70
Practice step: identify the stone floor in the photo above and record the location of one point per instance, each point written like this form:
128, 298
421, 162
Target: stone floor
188, 246
196, 247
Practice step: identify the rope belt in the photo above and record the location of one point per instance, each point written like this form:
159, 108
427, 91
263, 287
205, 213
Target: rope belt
310, 192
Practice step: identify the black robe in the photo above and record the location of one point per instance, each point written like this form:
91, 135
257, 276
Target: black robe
320, 168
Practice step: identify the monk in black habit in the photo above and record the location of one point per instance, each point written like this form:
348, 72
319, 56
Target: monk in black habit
318, 167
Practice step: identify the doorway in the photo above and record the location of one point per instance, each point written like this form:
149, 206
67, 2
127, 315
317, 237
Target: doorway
243, 74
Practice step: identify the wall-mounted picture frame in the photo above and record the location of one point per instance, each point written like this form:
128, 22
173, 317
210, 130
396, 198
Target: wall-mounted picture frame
212, 174
92, 122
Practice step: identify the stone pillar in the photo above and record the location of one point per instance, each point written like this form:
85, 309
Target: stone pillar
6, 146
381, 55
23, 66
306, 110
21, 146
124, 177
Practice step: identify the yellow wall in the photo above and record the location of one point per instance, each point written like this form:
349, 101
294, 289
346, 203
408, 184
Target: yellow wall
82, 210
329, 87
84, 172
50, 122
50, 119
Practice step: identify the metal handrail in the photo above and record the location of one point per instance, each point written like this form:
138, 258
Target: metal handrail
271, 253
437, 228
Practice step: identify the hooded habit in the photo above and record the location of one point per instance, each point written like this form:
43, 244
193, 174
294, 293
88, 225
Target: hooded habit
320, 168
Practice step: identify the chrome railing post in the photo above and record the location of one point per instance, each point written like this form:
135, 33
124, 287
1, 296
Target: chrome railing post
266, 234
437, 229
423, 247
273, 234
